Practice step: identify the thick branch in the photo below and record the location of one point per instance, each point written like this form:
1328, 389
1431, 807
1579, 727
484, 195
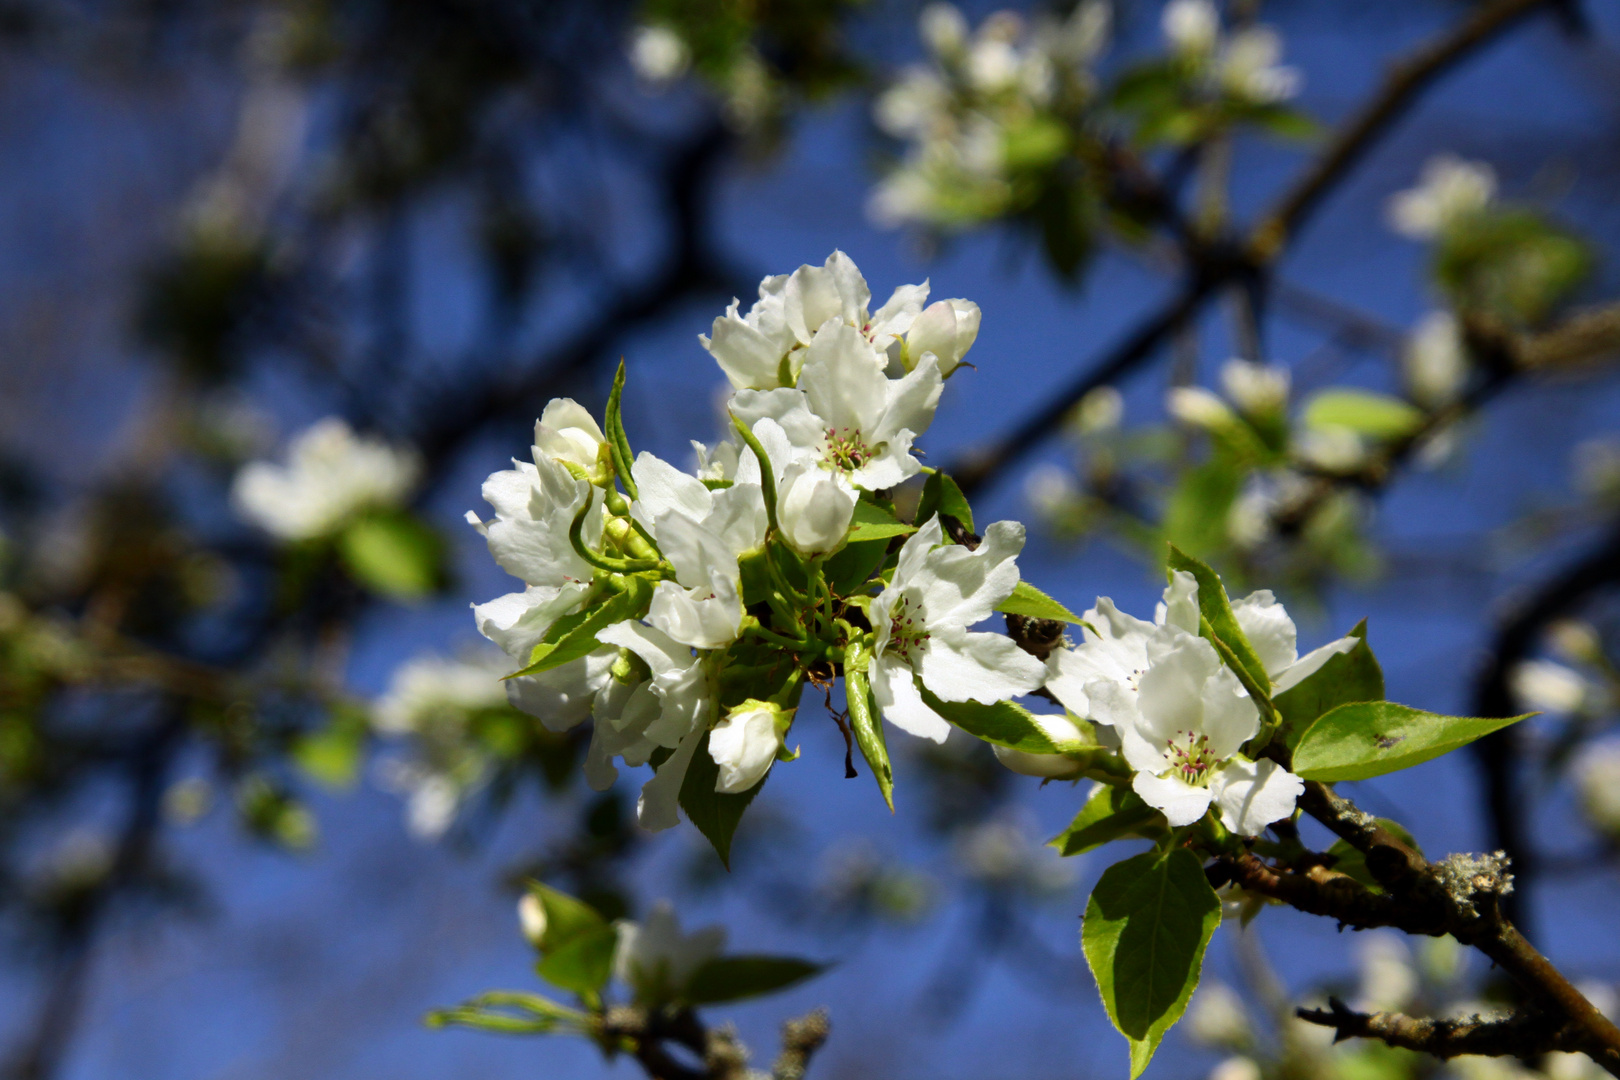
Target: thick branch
1518, 1034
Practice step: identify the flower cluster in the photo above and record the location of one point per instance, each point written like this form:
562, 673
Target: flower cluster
331, 475
1449, 192
992, 105
1240, 66
685, 612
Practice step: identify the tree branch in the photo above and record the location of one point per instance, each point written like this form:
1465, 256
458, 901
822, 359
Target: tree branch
1518, 1034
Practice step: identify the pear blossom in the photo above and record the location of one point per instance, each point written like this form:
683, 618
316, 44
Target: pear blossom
745, 743
535, 506
517, 622
330, 476
1197, 407
1256, 389
658, 54
567, 432
1060, 729
703, 534
946, 329
813, 510
846, 416
656, 960
1449, 191
1190, 27
765, 348
1218, 1017
922, 621
1548, 686
1114, 647
1181, 732
675, 716
423, 690
1248, 70
1275, 639
1435, 361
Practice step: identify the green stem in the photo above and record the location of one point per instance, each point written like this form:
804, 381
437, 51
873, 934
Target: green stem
767, 475
603, 562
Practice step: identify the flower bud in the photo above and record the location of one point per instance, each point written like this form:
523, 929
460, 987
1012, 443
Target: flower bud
1256, 389
746, 742
1190, 26
943, 28
946, 328
1435, 362
813, 510
1060, 729
532, 917
566, 432
1197, 407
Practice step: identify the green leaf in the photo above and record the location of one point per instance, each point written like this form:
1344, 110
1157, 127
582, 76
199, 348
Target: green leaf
575, 635
1371, 738
1353, 864
868, 729
873, 522
1005, 723
1377, 416
583, 963
1347, 677
733, 978
393, 555
1214, 606
1196, 513
538, 1014
1511, 262
566, 917
332, 755
854, 565
1147, 924
1111, 813
940, 495
716, 815
1027, 600
618, 442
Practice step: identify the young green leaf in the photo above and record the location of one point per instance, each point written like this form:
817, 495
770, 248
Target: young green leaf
1111, 813
716, 815
577, 636
1347, 677
1027, 600
1214, 606
1147, 924
873, 522
868, 729
940, 495
393, 555
1005, 723
1371, 738
583, 963
854, 564
1377, 416
566, 917
1198, 508
733, 978
331, 756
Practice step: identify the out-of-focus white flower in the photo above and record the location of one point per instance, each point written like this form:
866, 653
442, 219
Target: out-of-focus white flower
1100, 411
1191, 27
1597, 778
1001, 854
1330, 448
1389, 981
943, 28
1449, 190
658, 54
1051, 490
1237, 1067
1435, 361
1217, 1017
1550, 687
1256, 389
1248, 68
656, 960
1576, 641
431, 689
532, 918
331, 475
745, 743
1197, 407
922, 621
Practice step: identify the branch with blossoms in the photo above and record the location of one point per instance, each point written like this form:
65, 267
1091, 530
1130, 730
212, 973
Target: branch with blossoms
686, 613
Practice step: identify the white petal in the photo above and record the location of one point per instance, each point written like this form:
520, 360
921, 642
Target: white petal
662, 488
1182, 803
743, 745
844, 381
790, 409
660, 796
1066, 678
562, 697
1181, 602
914, 552
567, 430
663, 654
853, 294
901, 309
911, 402
962, 587
961, 666
934, 331
749, 358
897, 698
517, 621
1309, 664
1230, 716
694, 617
1046, 766
1269, 630
813, 510
1253, 794
1172, 689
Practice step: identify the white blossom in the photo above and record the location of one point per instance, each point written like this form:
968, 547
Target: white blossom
1389, 980
1114, 646
535, 506
1100, 411
567, 432
1000, 854
1434, 361
1330, 448
532, 918
559, 698
1191, 27
1248, 69
745, 743
813, 510
427, 689
1449, 191
1256, 389
846, 416
1197, 407
1218, 1017
943, 28
1275, 639
658, 54
1547, 686
922, 621
656, 960
330, 476
946, 329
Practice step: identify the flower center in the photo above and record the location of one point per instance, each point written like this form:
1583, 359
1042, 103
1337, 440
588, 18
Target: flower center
906, 633
1190, 757
846, 450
